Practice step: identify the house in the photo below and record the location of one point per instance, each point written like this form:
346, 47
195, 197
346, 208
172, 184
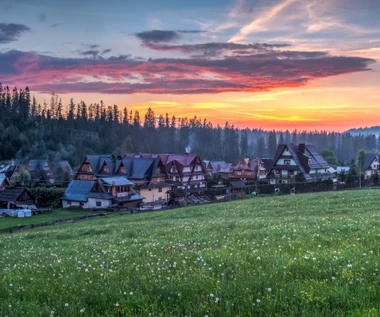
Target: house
4, 182
292, 159
144, 172
218, 167
44, 172
250, 169
16, 196
185, 172
371, 165
238, 189
101, 193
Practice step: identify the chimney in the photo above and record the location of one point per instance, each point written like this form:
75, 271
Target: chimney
302, 147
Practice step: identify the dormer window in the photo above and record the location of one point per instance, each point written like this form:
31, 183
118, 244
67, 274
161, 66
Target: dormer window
105, 169
310, 161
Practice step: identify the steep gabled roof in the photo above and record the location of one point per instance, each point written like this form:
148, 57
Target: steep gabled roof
369, 158
78, 189
11, 194
317, 160
141, 168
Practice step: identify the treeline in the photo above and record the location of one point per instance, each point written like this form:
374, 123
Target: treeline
30, 130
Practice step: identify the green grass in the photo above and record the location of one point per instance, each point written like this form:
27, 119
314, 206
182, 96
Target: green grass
56, 214
303, 255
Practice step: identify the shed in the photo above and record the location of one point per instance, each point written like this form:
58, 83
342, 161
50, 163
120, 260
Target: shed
238, 189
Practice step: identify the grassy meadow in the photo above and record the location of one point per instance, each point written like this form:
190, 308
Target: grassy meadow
56, 214
304, 255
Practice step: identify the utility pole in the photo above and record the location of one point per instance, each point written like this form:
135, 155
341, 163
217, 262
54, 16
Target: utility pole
360, 173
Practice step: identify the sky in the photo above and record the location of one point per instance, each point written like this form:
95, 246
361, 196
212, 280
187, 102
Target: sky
270, 64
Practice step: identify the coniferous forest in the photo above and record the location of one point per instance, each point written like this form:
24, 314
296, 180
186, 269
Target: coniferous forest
56, 131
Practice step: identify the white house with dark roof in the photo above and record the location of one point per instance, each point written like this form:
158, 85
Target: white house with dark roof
291, 159
371, 165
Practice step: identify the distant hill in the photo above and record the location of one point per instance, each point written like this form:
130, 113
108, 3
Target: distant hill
366, 130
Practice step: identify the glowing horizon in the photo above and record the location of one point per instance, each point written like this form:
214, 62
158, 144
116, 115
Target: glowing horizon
280, 65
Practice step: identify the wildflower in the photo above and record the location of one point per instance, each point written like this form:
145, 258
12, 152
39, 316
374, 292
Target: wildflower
258, 258
130, 293
211, 295
82, 310
258, 301
117, 304
269, 289
217, 300
66, 305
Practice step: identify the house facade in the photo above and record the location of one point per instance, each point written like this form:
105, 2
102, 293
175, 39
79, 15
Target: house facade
292, 159
371, 165
144, 172
250, 169
184, 172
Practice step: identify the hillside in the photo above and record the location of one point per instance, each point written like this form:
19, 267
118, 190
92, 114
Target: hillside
365, 131
314, 254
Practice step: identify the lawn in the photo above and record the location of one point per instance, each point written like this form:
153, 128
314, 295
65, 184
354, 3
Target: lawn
303, 255
56, 214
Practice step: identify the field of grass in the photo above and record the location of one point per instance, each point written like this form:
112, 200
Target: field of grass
56, 214
304, 255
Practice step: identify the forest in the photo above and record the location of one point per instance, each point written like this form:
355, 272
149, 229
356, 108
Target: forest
31, 130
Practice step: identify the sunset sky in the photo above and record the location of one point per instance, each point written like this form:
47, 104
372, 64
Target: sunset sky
274, 64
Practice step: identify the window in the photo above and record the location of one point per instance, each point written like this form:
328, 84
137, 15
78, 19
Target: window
98, 204
286, 162
82, 203
160, 190
310, 161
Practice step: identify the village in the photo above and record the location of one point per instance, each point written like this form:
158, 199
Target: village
144, 181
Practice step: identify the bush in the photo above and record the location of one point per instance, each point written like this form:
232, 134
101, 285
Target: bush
47, 196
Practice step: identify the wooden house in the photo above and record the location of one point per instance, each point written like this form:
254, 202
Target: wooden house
184, 172
292, 159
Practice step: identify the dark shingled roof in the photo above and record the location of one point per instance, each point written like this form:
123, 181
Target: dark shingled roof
12, 194
238, 185
369, 158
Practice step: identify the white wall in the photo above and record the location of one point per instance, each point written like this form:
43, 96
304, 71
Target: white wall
90, 203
